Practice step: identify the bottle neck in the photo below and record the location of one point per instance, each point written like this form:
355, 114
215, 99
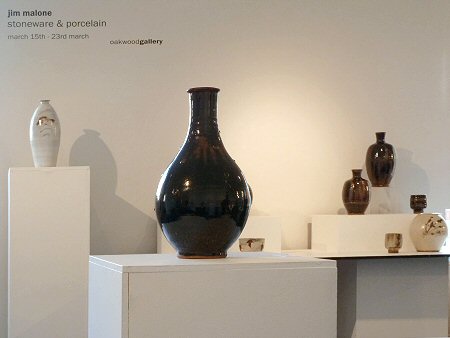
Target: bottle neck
356, 173
203, 113
380, 137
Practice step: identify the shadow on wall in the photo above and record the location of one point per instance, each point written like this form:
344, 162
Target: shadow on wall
117, 227
411, 178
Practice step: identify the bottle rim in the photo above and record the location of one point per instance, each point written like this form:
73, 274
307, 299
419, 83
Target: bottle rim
203, 89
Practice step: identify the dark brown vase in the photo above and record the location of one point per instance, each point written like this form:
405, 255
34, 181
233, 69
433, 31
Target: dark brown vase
380, 162
356, 194
203, 199
418, 203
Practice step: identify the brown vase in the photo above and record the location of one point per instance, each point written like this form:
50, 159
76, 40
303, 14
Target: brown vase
380, 162
356, 194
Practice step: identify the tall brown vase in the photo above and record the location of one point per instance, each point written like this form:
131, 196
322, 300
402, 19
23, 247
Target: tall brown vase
356, 194
380, 162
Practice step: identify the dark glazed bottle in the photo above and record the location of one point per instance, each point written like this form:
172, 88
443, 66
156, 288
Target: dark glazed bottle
356, 194
203, 199
380, 162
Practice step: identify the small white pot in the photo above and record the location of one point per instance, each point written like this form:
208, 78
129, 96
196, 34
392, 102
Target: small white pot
45, 134
428, 232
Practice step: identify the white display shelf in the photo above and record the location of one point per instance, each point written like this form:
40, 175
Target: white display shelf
244, 295
48, 237
363, 254
170, 262
341, 233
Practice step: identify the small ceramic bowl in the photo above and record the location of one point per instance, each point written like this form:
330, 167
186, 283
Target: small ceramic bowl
393, 242
251, 244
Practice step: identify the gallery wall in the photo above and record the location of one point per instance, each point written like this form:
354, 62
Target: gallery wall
304, 87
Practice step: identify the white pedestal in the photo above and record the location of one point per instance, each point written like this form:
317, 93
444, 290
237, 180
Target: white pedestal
350, 233
400, 297
267, 227
390, 295
48, 252
245, 295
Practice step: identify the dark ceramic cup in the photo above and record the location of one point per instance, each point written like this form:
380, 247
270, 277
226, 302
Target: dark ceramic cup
418, 203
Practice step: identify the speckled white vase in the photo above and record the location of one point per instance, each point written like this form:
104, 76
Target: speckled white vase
428, 232
45, 135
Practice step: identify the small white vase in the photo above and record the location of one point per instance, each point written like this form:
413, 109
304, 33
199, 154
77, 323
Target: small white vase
428, 232
45, 134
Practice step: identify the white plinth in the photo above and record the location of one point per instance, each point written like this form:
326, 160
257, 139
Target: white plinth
268, 227
390, 295
348, 233
401, 297
244, 295
48, 252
